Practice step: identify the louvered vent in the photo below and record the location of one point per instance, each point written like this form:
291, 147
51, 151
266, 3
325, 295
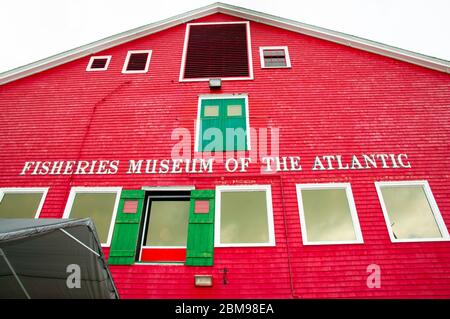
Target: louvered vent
137, 62
217, 51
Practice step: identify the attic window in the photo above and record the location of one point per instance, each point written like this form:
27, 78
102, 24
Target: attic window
137, 61
217, 50
274, 57
98, 63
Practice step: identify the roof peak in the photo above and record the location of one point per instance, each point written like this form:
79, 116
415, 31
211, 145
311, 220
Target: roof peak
220, 7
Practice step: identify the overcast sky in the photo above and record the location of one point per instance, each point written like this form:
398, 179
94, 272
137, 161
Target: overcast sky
35, 29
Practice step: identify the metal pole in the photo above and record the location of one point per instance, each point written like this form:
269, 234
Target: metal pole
14, 273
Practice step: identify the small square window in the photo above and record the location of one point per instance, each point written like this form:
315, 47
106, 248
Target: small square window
234, 110
98, 63
211, 110
411, 212
328, 214
275, 57
137, 61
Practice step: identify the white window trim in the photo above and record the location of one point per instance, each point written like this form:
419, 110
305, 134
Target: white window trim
244, 188
286, 54
351, 204
162, 189
19, 190
127, 59
249, 53
433, 205
77, 190
89, 66
221, 97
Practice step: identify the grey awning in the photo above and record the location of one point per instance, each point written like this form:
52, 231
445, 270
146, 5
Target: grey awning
35, 255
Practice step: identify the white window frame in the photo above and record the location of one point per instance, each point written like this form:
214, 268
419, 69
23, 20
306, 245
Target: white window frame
89, 66
76, 190
221, 97
286, 54
127, 59
24, 190
244, 188
249, 53
351, 203
433, 205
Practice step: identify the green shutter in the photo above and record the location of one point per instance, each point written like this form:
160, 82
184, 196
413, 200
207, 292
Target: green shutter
126, 229
223, 121
200, 241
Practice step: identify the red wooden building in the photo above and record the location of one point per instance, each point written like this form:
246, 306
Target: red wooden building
227, 153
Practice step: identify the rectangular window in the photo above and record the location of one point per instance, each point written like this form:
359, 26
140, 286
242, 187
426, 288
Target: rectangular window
21, 202
98, 63
165, 227
244, 216
98, 203
411, 212
137, 61
217, 50
222, 124
274, 57
328, 214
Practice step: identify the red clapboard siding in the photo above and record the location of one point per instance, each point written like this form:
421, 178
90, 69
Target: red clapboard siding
334, 100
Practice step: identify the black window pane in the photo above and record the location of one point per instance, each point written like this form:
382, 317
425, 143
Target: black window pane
137, 62
99, 63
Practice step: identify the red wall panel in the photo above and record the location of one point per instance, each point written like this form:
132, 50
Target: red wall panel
334, 100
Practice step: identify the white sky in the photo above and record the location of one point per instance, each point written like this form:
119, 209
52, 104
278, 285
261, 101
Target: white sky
35, 29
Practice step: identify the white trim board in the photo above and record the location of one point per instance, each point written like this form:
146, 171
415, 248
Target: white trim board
244, 188
431, 201
18, 190
127, 59
329, 35
74, 190
351, 204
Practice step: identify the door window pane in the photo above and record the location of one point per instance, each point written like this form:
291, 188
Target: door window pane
168, 223
211, 110
234, 110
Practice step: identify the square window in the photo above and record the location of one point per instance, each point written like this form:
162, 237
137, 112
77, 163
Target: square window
234, 110
98, 63
217, 50
328, 214
211, 110
223, 124
411, 212
100, 204
21, 202
274, 57
244, 216
137, 61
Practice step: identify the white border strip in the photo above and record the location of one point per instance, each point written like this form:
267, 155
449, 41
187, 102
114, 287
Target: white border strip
89, 66
127, 59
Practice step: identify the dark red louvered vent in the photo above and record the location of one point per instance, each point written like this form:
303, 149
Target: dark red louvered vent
137, 62
217, 51
99, 63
